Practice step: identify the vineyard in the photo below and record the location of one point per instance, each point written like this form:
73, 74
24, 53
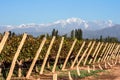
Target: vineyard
23, 56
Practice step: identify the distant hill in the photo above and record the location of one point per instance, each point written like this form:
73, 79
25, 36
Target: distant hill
113, 31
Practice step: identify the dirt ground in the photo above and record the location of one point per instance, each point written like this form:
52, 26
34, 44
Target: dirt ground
110, 74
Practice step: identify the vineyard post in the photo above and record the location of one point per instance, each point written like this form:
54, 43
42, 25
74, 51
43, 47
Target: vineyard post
4, 39
47, 55
89, 53
109, 48
118, 52
100, 67
114, 54
88, 69
94, 53
78, 71
116, 59
16, 56
58, 54
69, 75
117, 56
97, 52
108, 52
36, 69
105, 52
19, 68
55, 76
102, 53
77, 55
114, 51
2, 43
93, 67
36, 57
0, 68
84, 54
71, 49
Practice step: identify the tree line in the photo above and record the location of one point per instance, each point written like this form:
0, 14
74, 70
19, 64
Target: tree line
76, 33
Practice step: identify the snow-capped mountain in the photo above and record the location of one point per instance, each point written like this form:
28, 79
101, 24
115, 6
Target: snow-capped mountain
64, 26
91, 29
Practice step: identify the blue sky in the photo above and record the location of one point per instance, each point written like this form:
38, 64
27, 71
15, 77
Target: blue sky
15, 12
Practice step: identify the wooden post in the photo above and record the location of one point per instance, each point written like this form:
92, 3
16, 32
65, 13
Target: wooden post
93, 67
36, 69
78, 71
94, 53
54, 76
36, 57
71, 49
84, 54
69, 75
4, 39
0, 68
109, 64
89, 53
103, 59
19, 68
48, 65
58, 53
114, 56
97, 53
47, 55
15, 57
102, 53
77, 55
88, 69
105, 65
108, 52
117, 57
114, 52
105, 52
100, 67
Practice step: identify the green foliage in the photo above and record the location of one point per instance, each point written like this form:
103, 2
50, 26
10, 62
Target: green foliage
77, 33
108, 39
32, 44
83, 73
55, 33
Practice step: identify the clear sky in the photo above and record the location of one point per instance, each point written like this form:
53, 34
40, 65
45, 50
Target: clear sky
15, 12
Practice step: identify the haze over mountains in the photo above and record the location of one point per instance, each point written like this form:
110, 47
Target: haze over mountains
91, 29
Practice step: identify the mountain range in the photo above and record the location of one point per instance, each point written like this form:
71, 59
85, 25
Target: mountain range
91, 29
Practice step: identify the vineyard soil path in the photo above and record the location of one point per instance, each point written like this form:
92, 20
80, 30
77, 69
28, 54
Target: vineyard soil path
110, 74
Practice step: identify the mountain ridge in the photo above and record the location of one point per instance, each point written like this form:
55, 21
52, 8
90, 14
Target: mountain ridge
91, 29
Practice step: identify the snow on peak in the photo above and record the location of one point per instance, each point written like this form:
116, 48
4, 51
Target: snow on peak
71, 23
27, 25
70, 20
77, 21
110, 23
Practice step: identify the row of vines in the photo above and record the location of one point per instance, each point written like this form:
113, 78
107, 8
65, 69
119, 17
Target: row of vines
32, 44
